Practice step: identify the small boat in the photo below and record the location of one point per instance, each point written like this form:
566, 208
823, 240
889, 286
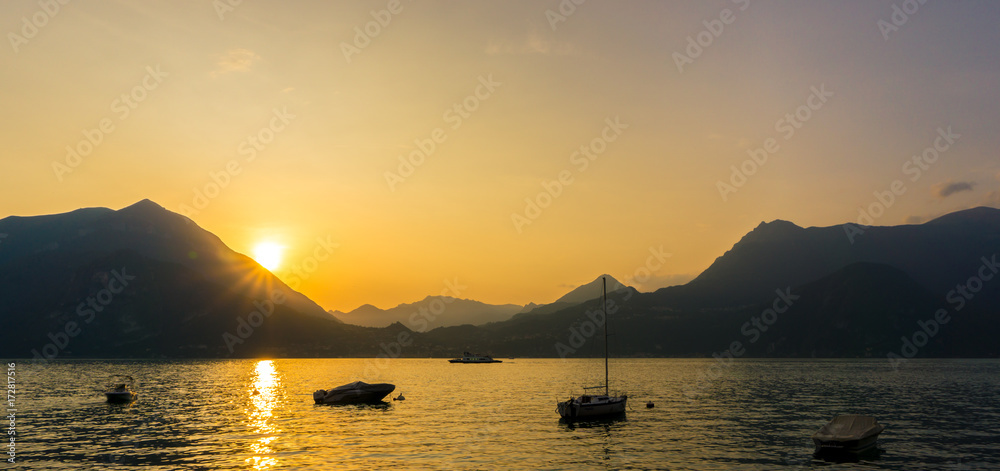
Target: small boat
399, 398
357, 392
595, 406
120, 391
848, 434
592, 406
470, 358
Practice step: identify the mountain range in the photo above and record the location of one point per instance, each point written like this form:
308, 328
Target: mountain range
447, 311
143, 282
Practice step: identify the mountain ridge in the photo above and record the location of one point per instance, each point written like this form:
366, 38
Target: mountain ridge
143, 282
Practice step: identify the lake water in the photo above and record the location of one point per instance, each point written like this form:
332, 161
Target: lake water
752, 414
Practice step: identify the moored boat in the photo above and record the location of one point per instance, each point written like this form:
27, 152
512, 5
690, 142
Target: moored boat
120, 391
848, 434
595, 406
471, 358
357, 392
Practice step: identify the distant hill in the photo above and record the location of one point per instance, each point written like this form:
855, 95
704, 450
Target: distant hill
429, 313
445, 311
591, 290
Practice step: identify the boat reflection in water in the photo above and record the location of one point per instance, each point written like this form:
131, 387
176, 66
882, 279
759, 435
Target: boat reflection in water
263, 399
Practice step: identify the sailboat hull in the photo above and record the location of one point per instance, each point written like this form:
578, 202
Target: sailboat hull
592, 407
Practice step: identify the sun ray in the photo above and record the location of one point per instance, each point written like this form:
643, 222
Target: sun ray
268, 254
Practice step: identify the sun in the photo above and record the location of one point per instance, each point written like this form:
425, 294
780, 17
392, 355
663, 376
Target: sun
268, 254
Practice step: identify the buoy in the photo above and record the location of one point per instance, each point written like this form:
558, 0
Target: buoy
649, 405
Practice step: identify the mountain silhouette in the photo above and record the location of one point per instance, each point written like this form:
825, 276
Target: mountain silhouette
937, 254
591, 290
143, 282
429, 313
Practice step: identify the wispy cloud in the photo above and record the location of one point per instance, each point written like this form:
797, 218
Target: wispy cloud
946, 189
533, 43
235, 60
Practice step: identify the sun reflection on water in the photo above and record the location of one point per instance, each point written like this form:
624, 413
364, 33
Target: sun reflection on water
263, 399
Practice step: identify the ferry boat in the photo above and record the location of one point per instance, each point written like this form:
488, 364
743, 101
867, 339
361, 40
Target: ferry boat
470, 358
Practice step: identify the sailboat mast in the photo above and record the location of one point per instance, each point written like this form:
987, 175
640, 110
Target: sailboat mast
604, 304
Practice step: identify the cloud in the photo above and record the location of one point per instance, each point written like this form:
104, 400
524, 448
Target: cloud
534, 43
235, 60
946, 189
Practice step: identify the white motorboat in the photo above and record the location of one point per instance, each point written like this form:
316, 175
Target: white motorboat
120, 391
848, 433
357, 392
595, 406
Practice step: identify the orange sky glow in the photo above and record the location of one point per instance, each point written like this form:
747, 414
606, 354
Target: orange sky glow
388, 149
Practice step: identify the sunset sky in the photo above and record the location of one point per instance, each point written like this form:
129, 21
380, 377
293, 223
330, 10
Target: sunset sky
286, 122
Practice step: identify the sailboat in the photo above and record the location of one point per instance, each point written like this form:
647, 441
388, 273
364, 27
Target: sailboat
595, 406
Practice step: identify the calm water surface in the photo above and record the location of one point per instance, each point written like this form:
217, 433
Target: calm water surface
940, 414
